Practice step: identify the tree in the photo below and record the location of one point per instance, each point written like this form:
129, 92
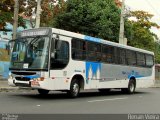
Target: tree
157, 52
143, 19
140, 33
6, 13
90, 17
141, 36
50, 8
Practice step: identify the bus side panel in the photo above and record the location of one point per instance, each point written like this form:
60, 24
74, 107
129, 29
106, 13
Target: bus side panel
147, 81
61, 79
117, 76
92, 74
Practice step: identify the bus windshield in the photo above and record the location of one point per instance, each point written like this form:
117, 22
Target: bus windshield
30, 53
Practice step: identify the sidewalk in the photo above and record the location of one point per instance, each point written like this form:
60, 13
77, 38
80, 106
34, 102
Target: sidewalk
5, 87
157, 83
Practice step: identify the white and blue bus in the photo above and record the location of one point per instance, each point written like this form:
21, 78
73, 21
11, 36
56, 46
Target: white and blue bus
53, 59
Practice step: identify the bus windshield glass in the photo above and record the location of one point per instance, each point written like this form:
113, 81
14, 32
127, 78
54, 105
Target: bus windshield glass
30, 53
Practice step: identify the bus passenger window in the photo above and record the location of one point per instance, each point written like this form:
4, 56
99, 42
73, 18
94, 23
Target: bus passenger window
78, 49
108, 54
140, 59
149, 61
130, 57
122, 57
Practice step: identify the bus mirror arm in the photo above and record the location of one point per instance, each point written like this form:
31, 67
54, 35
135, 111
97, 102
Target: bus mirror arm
58, 46
57, 43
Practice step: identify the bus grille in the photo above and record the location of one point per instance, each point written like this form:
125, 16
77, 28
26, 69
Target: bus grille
22, 78
23, 84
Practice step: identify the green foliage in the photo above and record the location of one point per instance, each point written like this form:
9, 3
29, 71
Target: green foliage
95, 18
49, 11
157, 52
143, 19
141, 36
6, 12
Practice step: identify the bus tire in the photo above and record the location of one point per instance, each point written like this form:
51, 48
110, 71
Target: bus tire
43, 92
131, 87
74, 89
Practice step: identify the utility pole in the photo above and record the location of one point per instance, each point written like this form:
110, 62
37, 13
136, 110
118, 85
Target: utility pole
15, 24
38, 13
121, 32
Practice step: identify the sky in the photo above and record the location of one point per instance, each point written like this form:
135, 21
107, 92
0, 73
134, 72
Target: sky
151, 6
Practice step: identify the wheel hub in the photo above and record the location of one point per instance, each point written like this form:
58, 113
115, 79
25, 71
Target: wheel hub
75, 89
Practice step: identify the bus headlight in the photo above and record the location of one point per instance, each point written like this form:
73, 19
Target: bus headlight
39, 79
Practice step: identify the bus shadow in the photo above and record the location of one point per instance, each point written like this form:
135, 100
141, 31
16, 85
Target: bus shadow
111, 93
88, 94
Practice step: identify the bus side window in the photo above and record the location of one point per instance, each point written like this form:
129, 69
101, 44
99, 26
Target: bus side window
130, 57
116, 55
78, 49
122, 56
98, 52
149, 61
93, 51
140, 59
107, 54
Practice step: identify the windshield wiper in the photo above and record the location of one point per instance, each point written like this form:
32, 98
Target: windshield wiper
34, 40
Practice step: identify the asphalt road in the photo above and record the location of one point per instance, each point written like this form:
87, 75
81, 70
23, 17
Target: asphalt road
90, 102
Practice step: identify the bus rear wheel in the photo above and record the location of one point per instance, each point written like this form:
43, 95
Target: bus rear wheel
131, 87
74, 89
43, 92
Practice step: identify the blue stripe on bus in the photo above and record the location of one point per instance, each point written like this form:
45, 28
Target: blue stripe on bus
134, 74
32, 76
140, 76
93, 66
93, 39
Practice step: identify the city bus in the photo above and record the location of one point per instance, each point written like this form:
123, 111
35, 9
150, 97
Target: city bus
48, 59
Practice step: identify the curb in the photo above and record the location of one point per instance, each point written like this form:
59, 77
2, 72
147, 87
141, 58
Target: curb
13, 89
156, 86
7, 89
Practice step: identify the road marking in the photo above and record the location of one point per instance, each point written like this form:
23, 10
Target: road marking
108, 99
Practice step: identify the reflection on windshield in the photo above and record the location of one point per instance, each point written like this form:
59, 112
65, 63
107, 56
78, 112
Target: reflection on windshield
30, 53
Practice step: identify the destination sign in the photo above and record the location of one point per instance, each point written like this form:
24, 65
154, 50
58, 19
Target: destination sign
35, 32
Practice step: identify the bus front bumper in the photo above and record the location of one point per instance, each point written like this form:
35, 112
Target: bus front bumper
17, 83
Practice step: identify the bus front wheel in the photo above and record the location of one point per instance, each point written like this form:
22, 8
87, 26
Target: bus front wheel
43, 92
74, 89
